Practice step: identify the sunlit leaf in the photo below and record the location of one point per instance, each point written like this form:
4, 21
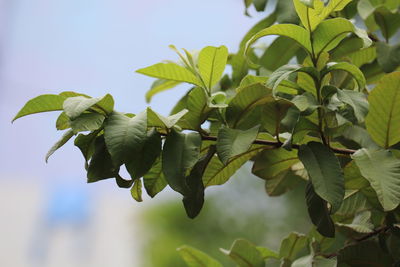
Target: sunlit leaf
211, 64
196, 258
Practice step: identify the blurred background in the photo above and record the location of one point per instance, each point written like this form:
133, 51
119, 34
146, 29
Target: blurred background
49, 215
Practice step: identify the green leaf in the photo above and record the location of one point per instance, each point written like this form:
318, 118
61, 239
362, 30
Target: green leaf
271, 162
267, 253
361, 223
42, 103
283, 73
306, 102
86, 144
75, 106
64, 139
136, 190
262, 24
382, 170
319, 213
355, 72
383, 119
141, 158
387, 21
292, 245
158, 86
279, 53
62, 122
197, 258
211, 64
170, 71
273, 113
312, 17
154, 180
87, 122
325, 172
245, 254
260, 4
196, 103
363, 254
180, 153
193, 198
357, 101
125, 136
297, 33
218, 173
232, 142
308, 3
331, 32
101, 166
157, 120
244, 110
388, 56
281, 183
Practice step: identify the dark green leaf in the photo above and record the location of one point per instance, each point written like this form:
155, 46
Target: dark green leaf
101, 166
154, 180
325, 172
364, 254
388, 56
271, 162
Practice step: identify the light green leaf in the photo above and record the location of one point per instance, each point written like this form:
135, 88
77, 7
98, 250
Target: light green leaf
382, 170
75, 106
87, 122
262, 24
42, 103
180, 153
306, 102
297, 33
197, 105
355, 72
217, 173
245, 254
62, 122
211, 64
357, 101
383, 119
271, 162
157, 120
158, 86
325, 172
232, 142
170, 71
267, 253
197, 258
64, 139
330, 32
125, 136
136, 190
361, 223
292, 245
154, 180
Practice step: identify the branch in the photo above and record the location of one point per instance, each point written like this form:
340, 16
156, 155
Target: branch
343, 151
374, 233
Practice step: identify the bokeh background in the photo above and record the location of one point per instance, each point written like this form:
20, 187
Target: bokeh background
49, 216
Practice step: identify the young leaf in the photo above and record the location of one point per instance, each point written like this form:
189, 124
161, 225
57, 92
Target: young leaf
158, 86
297, 33
232, 142
64, 139
383, 119
154, 180
211, 64
125, 136
180, 153
136, 190
101, 166
382, 170
42, 103
171, 71
325, 172
218, 173
319, 213
245, 254
196, 258
330, 32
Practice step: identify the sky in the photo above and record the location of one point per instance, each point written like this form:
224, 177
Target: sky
93, 47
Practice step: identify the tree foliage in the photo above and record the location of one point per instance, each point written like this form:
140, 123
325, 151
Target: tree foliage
319, 105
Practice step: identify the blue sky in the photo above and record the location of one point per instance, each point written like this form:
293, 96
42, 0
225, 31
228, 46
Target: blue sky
93, 47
